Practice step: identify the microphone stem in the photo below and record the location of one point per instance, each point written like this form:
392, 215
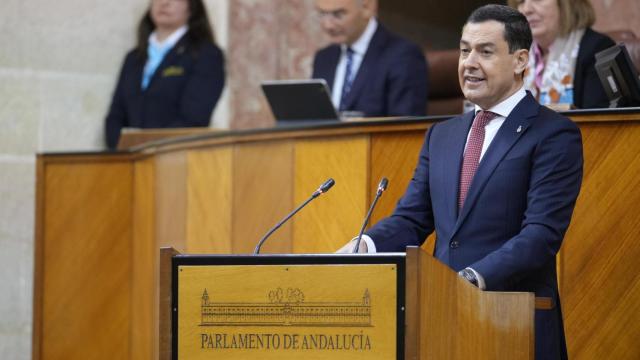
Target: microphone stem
273, 229
366, 221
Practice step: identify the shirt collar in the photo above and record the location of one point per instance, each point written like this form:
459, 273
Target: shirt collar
171, 40
505, 107
360, 46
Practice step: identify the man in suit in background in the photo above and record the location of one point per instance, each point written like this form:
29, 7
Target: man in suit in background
497, 185
370, 70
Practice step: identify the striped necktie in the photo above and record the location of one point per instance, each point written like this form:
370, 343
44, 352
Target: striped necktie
472, 153
348, 79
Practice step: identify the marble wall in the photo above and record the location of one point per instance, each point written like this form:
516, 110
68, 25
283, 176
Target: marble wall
58, 65
617, 15
267, 40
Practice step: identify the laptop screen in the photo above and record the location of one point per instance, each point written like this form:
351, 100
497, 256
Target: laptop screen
297, 101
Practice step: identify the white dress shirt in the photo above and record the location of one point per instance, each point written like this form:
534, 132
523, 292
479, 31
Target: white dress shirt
503, 110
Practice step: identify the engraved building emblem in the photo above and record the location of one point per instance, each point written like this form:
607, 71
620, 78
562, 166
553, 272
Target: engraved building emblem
287, 308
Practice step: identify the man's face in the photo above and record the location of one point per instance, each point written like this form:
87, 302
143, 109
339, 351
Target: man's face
344, 20
487, 72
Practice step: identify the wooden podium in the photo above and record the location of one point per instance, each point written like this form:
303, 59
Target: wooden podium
329, 306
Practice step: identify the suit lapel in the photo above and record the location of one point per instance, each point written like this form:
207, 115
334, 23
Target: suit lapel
326, 69
331, 69
368, 65
514, 126
453, 162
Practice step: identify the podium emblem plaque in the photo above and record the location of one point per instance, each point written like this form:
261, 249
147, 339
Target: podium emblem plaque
288, 307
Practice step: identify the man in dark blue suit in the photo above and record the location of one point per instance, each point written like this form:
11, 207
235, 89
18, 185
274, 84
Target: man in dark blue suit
498, 187
371, 71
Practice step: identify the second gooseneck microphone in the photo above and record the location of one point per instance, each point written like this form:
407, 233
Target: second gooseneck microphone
382, 186
321, 190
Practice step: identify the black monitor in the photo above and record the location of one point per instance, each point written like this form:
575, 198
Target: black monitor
618, 76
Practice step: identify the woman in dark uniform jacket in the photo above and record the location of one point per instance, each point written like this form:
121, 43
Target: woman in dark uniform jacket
170, 86
562, 57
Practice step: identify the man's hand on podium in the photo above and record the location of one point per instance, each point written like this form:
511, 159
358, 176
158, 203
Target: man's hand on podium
348, 248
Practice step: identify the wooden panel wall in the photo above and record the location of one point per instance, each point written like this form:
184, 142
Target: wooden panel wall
171, 199
262, 174
209, 195
335, 217
393, 156
600, 277
84, 261
144, 277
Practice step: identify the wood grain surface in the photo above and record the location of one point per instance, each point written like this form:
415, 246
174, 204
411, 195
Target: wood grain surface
262, 174
600, 273
459, 321
209, 200
335, 217
85, 283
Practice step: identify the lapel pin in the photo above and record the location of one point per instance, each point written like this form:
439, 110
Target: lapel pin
519, 128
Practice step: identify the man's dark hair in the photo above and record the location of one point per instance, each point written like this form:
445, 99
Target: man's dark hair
517, 32
199, 28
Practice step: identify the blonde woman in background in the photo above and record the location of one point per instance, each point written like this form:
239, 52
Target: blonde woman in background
562, 56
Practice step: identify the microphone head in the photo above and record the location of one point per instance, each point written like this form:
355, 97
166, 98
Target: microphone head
327, 185
383, 185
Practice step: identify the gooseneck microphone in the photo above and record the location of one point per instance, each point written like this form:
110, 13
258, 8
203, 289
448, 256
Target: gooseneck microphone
321, 190
382, 186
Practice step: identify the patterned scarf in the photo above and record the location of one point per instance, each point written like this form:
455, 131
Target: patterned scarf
552, 82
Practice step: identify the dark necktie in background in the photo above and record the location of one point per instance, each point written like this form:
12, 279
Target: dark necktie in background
348, 79
472, 153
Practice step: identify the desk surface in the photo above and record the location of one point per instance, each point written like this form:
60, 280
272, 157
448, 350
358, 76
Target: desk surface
162, 140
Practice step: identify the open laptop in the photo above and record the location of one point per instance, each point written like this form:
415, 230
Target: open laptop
297, 102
